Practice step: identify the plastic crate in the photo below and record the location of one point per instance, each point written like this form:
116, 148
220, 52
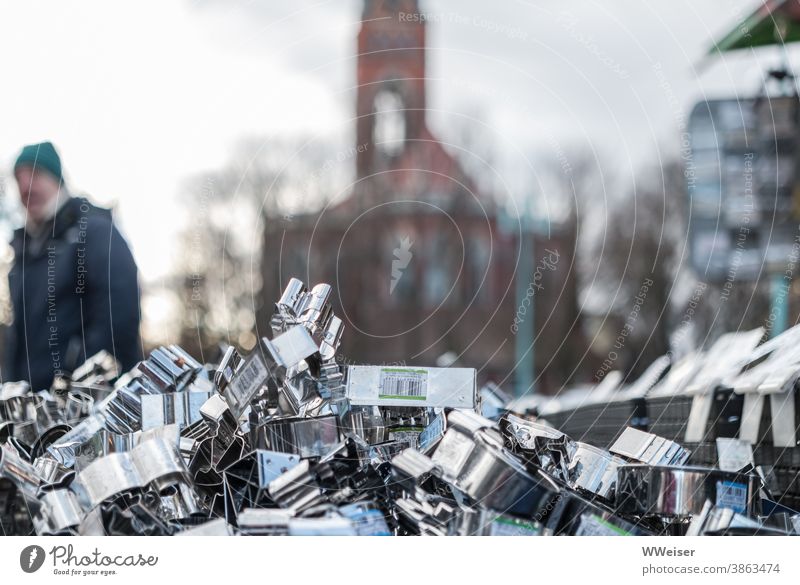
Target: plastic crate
669, 415
784, 462
765, 426
780, 457
791, 501
600, 424
703, 454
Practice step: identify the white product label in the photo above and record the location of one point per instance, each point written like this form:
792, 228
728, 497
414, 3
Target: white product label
248, 380
403, 384
732, 495
734, 454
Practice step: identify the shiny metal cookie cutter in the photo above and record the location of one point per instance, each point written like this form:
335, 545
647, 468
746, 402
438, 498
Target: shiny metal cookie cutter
156, 461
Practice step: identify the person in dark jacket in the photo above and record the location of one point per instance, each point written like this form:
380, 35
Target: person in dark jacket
74, 285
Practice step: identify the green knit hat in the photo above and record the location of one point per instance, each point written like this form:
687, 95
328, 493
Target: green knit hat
41, 156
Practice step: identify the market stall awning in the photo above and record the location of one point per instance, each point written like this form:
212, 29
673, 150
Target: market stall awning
773, 22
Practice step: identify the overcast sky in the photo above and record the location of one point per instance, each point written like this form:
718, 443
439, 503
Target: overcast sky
139, 96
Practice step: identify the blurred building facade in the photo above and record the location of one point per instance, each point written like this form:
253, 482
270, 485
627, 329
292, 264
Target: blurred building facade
421, 261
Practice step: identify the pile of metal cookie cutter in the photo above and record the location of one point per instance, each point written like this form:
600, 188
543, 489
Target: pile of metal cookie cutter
288, 441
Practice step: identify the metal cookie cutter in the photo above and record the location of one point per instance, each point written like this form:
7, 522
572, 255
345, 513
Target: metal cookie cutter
270, 362
20, 472
478, 465
681, 492
648, 448
715, 521
155, 461
307, 437
594, 470
60, 513
181, 408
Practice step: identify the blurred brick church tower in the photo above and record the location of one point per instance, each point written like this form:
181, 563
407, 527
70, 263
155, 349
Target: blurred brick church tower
416, 255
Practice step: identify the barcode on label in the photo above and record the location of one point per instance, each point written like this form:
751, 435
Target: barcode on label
403, 384
732, 495
247, 380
